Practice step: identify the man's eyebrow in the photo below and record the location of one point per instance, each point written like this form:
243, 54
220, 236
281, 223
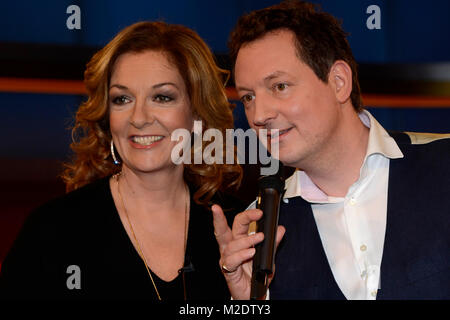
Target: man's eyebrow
271, 76
119, 86
240, 88
274, 75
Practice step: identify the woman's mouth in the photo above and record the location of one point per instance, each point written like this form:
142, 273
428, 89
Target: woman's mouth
145, 141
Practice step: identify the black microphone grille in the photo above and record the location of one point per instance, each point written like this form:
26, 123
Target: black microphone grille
274, 182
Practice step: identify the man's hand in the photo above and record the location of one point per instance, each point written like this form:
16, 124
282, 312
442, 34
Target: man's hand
237, 249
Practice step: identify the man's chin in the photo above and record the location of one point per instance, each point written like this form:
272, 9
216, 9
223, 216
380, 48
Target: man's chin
291, 160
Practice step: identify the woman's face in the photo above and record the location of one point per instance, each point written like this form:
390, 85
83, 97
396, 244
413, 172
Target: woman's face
147, 101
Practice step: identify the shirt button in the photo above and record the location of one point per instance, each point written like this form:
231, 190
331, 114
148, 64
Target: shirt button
374, 293
363, 247
352, 201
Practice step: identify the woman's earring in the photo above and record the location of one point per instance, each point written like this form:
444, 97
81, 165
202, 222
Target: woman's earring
116, 162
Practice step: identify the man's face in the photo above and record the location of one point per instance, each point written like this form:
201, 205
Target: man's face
279, 91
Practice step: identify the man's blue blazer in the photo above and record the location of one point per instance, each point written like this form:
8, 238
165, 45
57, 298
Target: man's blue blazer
416, 255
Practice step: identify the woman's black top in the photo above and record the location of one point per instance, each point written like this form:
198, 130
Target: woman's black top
75, 247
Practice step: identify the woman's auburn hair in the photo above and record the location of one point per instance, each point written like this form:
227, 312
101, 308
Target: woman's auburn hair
204, 84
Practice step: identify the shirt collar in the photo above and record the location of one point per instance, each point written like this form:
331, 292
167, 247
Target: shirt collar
380, 142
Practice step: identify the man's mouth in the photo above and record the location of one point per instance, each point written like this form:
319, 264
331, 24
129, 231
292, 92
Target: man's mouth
276, 133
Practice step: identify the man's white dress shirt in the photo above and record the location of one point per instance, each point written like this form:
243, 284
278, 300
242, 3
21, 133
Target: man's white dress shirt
352, 229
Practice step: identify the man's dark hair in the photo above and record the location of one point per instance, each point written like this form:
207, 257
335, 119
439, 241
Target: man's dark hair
320, 39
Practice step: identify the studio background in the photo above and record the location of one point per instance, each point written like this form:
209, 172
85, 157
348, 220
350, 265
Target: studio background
404, 73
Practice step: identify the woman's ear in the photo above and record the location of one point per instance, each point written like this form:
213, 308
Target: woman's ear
340, 77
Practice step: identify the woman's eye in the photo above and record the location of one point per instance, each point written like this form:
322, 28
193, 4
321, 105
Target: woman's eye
162, 98
120, 100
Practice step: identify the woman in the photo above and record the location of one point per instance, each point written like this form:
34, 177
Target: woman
134, 224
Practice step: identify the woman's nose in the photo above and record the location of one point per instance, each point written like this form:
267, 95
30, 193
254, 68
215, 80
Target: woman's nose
141, 114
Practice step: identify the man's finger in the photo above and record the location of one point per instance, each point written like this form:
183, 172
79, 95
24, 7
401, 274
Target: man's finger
231, 263
243, 243
221, 229
280, 233
242, 221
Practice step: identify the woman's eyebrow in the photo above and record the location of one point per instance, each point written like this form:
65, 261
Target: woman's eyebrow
156, 86
159, 85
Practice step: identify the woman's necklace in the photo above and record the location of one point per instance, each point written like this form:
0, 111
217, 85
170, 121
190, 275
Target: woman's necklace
116, 177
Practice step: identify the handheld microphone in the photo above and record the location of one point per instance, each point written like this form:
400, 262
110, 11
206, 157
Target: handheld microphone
269, 196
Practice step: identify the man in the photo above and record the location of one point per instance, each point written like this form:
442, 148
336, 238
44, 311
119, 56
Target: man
366, 214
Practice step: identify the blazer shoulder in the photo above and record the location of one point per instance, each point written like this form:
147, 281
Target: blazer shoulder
425, 138
432, 146
423, 145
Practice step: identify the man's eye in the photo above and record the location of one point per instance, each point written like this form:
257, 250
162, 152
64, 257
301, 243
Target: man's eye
120, 100
247, 98
162, 98
281, 86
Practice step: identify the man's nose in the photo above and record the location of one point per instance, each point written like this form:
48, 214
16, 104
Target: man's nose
265, 110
